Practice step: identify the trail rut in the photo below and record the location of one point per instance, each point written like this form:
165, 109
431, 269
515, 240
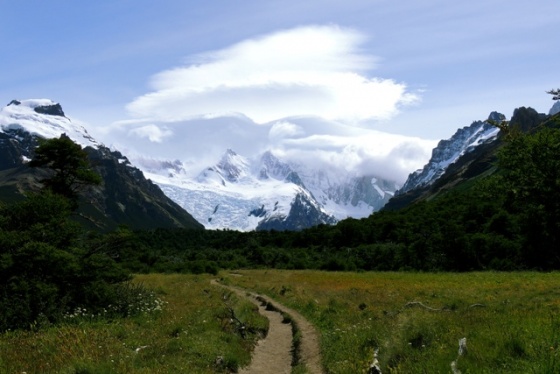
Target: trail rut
273, 354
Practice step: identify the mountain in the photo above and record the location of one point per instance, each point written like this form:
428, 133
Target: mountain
124, 198
448, 151
555, 109
470, 153
265, 192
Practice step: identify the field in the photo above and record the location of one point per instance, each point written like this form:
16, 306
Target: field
193, 333
414, 321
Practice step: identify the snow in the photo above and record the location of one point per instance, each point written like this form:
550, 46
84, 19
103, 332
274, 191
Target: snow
379, 190
448, 152
222, 196
234, 200
24, 117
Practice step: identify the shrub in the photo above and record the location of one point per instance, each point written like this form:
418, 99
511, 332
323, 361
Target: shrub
46, 271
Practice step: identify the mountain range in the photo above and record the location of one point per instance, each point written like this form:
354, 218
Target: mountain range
125, 197
235, 192
448, 151
265, 192
469, 154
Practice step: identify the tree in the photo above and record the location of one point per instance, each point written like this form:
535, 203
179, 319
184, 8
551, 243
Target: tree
530, 177
47, 270
72, 170
555, 94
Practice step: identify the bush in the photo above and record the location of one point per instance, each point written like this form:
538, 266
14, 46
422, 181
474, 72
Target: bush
46, 272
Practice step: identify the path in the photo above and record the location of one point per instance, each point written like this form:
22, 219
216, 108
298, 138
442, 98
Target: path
273, 354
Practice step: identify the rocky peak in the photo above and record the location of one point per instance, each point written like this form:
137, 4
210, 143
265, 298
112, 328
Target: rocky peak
526, 118
41, 106
232, 166
53, 110
274, 167
496, 117
448, 151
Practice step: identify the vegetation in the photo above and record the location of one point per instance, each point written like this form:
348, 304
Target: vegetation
47, 269
555, 94
415, 320
184, 328
70, 166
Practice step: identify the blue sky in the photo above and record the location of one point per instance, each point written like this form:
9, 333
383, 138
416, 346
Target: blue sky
414, 68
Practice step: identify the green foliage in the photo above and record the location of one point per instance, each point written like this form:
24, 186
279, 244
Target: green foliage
192, 333
46, 270
531, 181
555, 94
72, 170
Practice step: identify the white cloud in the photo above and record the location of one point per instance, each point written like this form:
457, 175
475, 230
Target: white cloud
296, 92
313, 70
152, 132
361, 151
283, 129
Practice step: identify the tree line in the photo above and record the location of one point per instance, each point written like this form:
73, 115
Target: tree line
507, 221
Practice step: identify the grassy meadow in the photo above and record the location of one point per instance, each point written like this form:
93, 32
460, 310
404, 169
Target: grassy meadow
191, 334
511, 321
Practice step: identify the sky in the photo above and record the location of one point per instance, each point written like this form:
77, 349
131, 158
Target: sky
392, 77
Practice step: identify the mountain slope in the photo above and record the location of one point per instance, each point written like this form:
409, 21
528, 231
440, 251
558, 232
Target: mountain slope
125, 196
447, 152
469, 154
265, 192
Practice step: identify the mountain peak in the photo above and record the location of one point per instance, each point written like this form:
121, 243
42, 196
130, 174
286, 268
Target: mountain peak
448, 151
497, 117
41, 106
44, 118
233, 166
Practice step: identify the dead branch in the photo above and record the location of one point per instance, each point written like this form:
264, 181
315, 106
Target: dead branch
418, 303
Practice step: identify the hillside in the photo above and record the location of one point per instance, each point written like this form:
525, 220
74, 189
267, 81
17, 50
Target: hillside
124, 198
468, 166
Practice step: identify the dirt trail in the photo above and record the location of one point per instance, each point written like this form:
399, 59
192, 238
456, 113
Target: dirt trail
273, 354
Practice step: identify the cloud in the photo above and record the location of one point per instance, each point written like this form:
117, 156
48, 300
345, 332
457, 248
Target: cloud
152, 132
294, 92
282, 130
361, 151
312, 71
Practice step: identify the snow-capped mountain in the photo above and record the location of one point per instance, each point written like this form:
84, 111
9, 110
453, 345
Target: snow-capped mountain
448, 151
265, 192
43, 118
124, 197
236, 192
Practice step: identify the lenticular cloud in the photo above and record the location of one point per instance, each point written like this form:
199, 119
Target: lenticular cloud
314, 70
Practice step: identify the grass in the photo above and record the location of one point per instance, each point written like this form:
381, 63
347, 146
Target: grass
510, 320
193, 333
